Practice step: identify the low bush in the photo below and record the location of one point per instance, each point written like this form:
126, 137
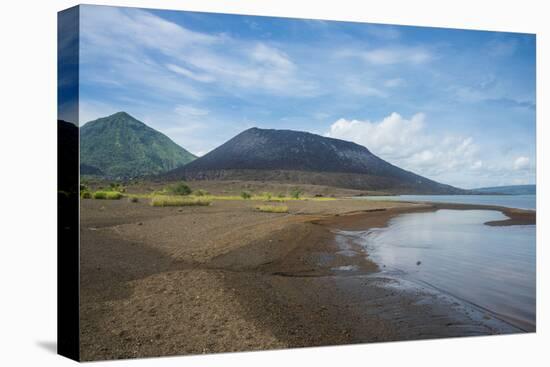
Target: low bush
246, 195
273, 208
180, 189
117, 187
133, 199
85, 195
107, 195
165, 200
295, 194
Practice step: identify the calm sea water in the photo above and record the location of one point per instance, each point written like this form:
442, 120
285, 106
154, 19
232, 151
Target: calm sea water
510, 201
454, 252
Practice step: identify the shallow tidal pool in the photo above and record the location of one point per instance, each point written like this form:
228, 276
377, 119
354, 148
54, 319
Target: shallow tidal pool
492, 268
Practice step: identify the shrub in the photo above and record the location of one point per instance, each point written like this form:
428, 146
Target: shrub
281, 195
107, 195
268, 196
117, 187
246, 195
295, 194
201, 192
133, 199
85, 195
83, 187
164, 200
180, 189
273, 208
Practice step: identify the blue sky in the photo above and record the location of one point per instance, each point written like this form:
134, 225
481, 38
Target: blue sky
453, 105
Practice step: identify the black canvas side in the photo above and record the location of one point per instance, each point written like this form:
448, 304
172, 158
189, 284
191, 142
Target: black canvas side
68, 343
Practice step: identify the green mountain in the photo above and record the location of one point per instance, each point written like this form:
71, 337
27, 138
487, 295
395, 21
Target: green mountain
119, 146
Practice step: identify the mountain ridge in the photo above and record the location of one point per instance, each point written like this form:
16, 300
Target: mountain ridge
508, 190
303, 157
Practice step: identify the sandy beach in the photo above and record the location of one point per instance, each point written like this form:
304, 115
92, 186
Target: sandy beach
225, 277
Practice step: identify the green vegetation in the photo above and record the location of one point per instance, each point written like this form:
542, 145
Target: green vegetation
180, 189
120, 146
273, 208
296, 193
85, 194
246, 195
165, 200
116, 186
107, 195
200, 192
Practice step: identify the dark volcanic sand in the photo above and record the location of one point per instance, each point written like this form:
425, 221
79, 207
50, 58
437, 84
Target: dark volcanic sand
164, 281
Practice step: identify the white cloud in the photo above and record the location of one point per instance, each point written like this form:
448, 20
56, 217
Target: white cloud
408, 144
144, 49
397, 55
521, 163
448, 158
190, 74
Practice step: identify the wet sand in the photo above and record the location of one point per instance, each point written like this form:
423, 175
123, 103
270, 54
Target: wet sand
164, 281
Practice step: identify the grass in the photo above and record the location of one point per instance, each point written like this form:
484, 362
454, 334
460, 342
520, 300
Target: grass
85, 195
265, 197
273, 208
246, 195
165, 200
107, 195
180, 189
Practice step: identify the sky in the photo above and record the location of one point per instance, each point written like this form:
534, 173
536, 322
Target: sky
456, 106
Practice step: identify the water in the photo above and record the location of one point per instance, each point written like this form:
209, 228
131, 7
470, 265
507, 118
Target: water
454, 252
509, 201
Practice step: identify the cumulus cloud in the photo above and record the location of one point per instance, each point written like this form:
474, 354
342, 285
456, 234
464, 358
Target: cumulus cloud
449, 158
406, 143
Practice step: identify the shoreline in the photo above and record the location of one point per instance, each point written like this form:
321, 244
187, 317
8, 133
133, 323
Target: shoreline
365, 221
248, 281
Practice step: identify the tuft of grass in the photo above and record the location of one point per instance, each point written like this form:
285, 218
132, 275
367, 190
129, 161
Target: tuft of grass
273, 208
296, 193
107, 195
85, 194
164, 200
201, 192
246, 195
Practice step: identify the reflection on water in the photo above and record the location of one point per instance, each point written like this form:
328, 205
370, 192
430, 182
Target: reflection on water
509, 201
452, 250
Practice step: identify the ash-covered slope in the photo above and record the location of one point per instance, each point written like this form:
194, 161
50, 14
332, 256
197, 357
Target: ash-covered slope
300, 157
